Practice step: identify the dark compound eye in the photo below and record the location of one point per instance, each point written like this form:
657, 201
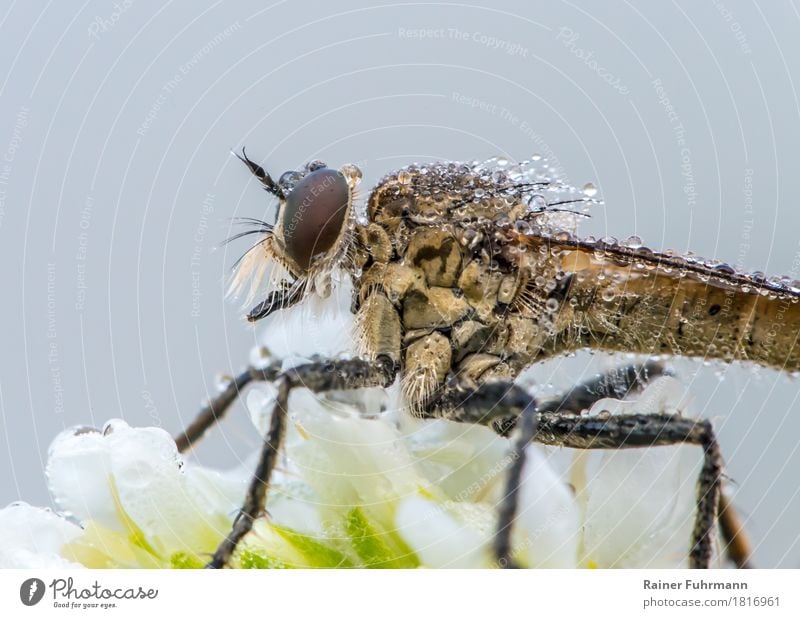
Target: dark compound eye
314, 214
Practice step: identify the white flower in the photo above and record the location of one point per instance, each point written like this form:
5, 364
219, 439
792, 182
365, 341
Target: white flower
32, 537
137, 504
354, 491
360, 484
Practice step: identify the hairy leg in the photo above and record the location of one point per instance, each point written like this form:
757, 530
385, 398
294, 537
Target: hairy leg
493, 404
637, 431
621, 382
617, 383
557, 421
217, 407
318, 377
738, 547
498, 404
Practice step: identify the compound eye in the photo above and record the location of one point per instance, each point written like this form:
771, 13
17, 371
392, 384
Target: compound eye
314, 213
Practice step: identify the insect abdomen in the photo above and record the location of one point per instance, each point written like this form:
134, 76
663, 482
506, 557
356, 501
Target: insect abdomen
659, 306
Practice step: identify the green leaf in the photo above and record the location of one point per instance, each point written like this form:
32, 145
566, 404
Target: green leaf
249, 559
185, 560
377, 548
318, 554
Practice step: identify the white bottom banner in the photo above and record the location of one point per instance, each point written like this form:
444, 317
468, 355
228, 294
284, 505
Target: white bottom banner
409, 594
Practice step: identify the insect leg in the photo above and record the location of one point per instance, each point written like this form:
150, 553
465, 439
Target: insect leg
493, 403
217, 407
637, 431
737, 544
318, 377
617, 383
501, 404
507, 511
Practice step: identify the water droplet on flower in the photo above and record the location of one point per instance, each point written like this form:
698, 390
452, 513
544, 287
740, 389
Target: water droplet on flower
589, 190
113, 425
608, 294
222, 381
404, 177
260, 357
551, 305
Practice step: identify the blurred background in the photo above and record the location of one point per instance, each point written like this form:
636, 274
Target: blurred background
117, 183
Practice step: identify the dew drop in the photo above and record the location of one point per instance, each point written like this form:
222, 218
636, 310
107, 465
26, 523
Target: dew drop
351, 173
608, 294
634, 242
551, 305
404, 177
260, 357
589, 190
537, 203
522, 226
222, 381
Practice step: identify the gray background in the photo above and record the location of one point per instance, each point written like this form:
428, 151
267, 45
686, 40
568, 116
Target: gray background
116, 126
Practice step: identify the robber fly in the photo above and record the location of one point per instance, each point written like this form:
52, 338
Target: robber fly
464, 275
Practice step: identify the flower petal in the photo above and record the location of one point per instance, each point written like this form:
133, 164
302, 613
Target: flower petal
438, 537
639, 503
547, 529
32, 537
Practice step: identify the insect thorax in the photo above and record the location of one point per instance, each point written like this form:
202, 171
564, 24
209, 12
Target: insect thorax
452, 284
465, 273
468, 273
